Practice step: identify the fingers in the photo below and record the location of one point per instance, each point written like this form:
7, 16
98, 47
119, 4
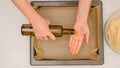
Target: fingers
50, 35
70, 42
87, 38
45, 37
41, 38
75, 45
79, 45
38, 35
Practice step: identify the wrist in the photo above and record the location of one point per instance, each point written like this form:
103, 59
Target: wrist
81, 20
36, 19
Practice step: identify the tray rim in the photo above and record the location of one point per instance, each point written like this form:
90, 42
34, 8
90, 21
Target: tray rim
99, 61
61, 3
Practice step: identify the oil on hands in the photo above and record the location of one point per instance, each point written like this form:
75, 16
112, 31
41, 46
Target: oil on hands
81, 26
42, 32
41, 25
76, 40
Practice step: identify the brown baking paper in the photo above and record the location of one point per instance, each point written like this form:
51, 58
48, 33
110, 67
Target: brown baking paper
59, 49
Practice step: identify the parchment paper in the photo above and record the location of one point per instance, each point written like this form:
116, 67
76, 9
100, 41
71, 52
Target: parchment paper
59, 49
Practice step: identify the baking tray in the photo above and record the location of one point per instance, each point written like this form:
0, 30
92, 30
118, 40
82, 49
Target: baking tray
99, 61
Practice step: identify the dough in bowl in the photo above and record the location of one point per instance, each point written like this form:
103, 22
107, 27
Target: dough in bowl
113, 33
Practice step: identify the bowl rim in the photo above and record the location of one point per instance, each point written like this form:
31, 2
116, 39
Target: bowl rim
108, 21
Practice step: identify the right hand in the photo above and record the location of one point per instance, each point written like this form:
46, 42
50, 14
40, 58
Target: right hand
83, 34
41, 29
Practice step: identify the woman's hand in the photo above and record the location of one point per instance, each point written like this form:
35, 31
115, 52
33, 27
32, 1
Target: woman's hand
76, 41
81, 26
41, 29
40, 25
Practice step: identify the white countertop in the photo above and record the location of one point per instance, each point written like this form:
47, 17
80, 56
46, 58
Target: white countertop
15, 49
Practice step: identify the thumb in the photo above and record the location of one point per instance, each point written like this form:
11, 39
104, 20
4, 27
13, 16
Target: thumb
87, 38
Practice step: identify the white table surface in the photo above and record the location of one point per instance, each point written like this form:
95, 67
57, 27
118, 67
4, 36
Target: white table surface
15, 49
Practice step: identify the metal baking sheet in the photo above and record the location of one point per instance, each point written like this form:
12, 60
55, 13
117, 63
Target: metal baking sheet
99, 61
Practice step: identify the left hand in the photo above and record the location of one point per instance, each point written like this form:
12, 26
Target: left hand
76, 41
